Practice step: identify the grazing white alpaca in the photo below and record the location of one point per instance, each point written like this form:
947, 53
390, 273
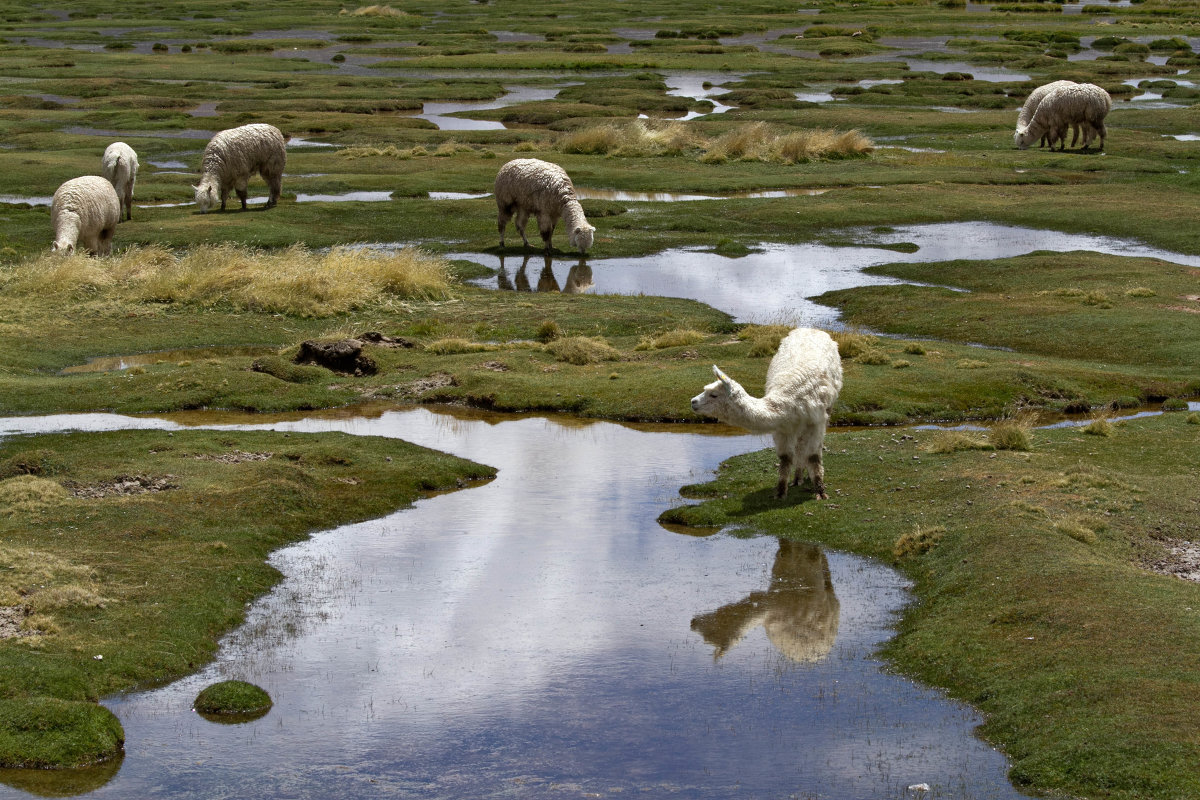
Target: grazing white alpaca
803, 382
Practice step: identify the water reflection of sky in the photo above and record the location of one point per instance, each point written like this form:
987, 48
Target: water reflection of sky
536, 633
777, 283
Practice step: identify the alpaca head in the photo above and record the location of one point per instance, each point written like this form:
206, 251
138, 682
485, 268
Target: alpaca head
66, 248
1022, 138
717, 397
207, 194
581, 237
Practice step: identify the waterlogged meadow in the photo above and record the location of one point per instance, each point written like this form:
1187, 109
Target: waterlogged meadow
848, 165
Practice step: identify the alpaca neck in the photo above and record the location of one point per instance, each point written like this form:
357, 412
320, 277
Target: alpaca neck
66, 231
572, 215
755, 414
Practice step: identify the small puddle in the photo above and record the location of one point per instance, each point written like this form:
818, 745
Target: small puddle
438, 113
16, 200
118, 363
347, 197
542, 631
777, 282
701, 86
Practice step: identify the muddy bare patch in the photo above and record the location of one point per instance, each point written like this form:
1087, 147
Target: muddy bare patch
1181, 559
234, 457
11, 618
494, 366
438, 380
123, 485
344, 357
380, 340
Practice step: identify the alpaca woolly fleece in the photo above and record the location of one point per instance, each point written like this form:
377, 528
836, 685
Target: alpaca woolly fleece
233, 156
119, 165
803, 382
85, 211
1083, 104
526, 186
1033, 101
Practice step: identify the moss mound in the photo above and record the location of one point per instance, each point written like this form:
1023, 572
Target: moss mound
232, 697
45, 732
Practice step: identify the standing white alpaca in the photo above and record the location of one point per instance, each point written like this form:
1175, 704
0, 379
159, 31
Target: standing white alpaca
527, 186
119, 165
232, 156
803, 382
85, 211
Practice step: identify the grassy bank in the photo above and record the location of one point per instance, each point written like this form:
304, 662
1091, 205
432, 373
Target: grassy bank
1035, 600
126, 555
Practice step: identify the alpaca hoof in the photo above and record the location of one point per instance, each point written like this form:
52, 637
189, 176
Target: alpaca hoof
822, 496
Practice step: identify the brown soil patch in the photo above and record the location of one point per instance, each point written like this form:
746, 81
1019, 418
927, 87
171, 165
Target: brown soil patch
11, 618
1183, 308
123, 485
494, 366
1182, 559
438, 380
234, 457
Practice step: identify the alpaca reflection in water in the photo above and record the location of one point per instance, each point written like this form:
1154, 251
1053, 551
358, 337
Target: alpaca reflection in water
799, 610
579, 279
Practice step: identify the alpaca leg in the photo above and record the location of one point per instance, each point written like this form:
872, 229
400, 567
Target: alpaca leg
784, 448
546, 228
503, 216
104, 245
817, 471
128, 202
241, 193
224, 197
521, 221
274, 188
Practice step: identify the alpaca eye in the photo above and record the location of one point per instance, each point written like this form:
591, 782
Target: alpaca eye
712, 394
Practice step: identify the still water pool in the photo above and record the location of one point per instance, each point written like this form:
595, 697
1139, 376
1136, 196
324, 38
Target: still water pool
543, 636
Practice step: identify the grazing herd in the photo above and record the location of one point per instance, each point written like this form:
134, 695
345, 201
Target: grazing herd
805, 375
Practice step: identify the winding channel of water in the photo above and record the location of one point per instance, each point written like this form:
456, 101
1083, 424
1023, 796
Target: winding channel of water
543, 636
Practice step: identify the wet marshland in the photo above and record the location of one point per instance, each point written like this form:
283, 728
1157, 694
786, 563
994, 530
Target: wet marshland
543, 634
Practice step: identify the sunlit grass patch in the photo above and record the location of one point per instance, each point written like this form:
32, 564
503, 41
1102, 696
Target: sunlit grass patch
1140, 291
293, 280
376, 11
1080, 528
1193, 418
1013, 433
954, 441
680, 337
455, 346
582, 350
754, 141
851, 344
764, 339
1100, 425
917, 541
970, 363
29, 494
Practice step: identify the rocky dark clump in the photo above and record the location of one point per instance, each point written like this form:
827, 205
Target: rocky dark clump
344, 357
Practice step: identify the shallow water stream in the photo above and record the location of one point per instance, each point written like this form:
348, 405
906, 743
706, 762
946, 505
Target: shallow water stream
543, 636
777, 282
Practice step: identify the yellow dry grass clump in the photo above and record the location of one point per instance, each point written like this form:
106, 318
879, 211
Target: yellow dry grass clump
29, 494
376, 11
755, 141
294, 280
679, 337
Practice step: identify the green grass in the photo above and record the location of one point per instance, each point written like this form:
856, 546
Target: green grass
144, 584
1056, 540
232, 697
1034, 604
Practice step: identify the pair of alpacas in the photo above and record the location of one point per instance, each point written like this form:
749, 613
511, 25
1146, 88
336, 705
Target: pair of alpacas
86, 210
803, 382
1053, 109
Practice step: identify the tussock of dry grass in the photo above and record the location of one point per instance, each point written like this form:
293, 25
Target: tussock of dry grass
680, 337
453, 346
1079, 528
391, 151
293, 281
851, 344
581, 350
1099, 426
29, 494
376, 11
917, 541
1014, 433
43, 581
755, 141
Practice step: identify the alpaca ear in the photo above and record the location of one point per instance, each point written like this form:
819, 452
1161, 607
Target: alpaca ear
722, 377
